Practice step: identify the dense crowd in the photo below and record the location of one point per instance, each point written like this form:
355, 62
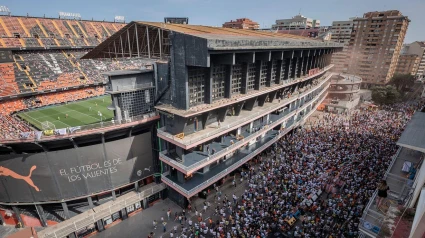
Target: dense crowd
341, 158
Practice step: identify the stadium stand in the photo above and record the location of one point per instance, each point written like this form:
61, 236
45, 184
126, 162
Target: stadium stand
8, 84
11, 127
31, 32
35, 70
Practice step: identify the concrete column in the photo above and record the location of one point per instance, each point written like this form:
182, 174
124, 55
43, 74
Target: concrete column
114, 196
258, 70
300, 66
251, 125
136, 186
269, 73
268, 118
91, 205
228, 82
279, 72
65, 210
145, 203
2, 222
239, 130
18, 215
244, 86
208, 85
180, 177
41, 215
293, 68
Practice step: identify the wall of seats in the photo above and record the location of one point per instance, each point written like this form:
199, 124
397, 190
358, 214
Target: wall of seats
42, 70
35, 32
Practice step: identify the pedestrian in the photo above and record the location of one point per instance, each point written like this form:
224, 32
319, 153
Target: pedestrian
168, 213
164, 226
154, 224
176, 215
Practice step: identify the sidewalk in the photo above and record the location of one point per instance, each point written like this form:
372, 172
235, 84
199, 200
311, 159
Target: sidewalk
141, 224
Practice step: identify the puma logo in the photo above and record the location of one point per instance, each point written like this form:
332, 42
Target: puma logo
148, 169
7, 172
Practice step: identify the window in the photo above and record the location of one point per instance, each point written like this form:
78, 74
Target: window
218, 78
251, 76
263, 76
196, 86
236, 79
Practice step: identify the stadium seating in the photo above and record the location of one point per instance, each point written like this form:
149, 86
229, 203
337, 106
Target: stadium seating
11, 127
8, 85
28, 32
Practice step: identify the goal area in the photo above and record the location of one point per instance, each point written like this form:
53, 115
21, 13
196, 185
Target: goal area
47, 125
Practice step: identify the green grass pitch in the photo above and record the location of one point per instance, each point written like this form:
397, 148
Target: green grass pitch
79, 113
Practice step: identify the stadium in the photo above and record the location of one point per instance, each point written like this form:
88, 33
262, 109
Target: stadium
101, 120
54, 107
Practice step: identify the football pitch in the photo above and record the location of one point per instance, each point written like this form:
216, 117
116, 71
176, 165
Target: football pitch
79, 113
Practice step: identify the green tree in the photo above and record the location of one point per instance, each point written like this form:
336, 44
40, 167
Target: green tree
385, 94
402, 81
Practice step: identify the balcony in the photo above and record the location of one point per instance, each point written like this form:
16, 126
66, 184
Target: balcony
400, 187
212, 131
201, 181
198, 159
236, 98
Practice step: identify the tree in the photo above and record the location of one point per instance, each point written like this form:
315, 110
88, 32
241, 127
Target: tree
385, 94
402, 81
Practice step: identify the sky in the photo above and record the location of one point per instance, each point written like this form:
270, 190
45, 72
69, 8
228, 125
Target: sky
216, 12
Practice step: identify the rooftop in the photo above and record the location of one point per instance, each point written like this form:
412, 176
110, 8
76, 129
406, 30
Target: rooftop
219, 38
127, 72
413, 136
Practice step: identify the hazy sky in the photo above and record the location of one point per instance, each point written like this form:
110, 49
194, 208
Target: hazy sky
215, 12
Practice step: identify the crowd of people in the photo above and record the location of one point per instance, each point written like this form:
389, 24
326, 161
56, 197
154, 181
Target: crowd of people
320, 177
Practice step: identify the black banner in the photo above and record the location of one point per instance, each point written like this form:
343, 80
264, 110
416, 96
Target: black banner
72, 173
6, 56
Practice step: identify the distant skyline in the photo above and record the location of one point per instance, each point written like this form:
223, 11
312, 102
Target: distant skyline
216, 12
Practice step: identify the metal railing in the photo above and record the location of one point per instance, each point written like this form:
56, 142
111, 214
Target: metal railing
81, 130
81, 221
370, 216
189, 193
212, 158
222, 129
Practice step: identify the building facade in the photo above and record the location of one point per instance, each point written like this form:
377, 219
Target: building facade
375, 45
321, 33
341, 33
222, 98
408, 64
295, 23
343, 93
417, 48
242, 23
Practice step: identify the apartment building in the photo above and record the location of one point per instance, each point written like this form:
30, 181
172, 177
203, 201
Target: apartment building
408, 64
375, 45
341, 33
242, 23
417, 48
295, 23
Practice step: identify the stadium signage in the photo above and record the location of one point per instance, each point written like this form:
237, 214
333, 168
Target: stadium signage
77, 172
91, 170
69, 15
119, 19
